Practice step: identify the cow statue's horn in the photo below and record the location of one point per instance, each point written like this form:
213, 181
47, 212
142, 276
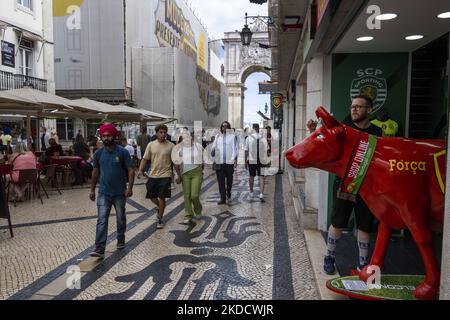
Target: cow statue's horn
328, 120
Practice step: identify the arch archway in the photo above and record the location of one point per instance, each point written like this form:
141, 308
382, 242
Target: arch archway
240, 62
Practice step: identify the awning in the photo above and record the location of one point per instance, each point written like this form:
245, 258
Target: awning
47, 100
100, 110
28, 35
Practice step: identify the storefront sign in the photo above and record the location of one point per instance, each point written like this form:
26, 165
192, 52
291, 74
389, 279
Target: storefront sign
8, 54
277, 100
370, 83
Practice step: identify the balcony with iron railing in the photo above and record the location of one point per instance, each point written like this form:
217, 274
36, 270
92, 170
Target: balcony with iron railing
9, 81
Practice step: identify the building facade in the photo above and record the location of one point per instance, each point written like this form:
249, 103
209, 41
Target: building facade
152, 54
27, 53
26, 33
341, 51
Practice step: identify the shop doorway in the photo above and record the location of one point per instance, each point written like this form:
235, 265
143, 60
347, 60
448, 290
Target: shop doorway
428, 117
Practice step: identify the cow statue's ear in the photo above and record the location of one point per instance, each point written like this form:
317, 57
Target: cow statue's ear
328, 120
338, 131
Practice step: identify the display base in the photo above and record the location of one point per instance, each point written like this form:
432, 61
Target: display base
393, 287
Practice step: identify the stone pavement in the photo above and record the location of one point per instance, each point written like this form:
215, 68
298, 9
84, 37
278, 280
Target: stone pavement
246, 250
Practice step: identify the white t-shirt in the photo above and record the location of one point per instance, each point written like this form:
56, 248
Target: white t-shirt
130, 149
252, 148
191, 157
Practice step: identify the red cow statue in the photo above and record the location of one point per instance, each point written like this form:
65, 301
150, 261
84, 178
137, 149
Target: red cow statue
403, 186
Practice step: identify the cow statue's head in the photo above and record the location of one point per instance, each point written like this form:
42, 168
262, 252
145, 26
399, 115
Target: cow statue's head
323, 146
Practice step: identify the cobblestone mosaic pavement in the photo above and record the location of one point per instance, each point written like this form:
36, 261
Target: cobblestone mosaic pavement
245, 250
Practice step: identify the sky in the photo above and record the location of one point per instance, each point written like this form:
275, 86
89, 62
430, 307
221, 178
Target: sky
221, 16
254, 101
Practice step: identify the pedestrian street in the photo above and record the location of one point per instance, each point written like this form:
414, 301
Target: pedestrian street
247, 249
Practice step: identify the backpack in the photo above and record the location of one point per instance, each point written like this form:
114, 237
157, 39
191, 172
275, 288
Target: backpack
122, 161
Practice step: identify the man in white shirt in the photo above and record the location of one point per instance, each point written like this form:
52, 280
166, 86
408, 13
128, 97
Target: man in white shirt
256, 147
45, 137
225, 151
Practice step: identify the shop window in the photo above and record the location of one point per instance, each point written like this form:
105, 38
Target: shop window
64, 129
25, 57
74, 79
25, 3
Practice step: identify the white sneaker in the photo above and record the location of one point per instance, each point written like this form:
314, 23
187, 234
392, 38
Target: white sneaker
160, 224
261, 196
187, 220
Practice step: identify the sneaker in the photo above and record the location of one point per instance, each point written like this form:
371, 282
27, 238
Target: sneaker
221, 202
160, 224
120, 244
98, 253
261, 196
187, 220
328, 265
197, 217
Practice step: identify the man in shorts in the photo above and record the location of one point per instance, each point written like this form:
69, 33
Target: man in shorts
255, 159
158, 153
359, 119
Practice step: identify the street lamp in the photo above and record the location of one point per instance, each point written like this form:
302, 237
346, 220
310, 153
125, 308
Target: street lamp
246, 33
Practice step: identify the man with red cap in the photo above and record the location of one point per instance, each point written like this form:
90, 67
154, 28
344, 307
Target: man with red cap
112, 168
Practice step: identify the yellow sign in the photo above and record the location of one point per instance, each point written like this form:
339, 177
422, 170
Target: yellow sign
413, 166
60, 6
201, 50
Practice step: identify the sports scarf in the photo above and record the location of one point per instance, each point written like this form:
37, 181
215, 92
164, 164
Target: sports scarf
355, 173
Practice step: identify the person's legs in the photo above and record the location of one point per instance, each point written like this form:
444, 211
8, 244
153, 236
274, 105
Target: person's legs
364, 223
229, 175
251, 182
221, 181
363, 246
104, 205
162, 207
334, 234
261, 183
78, 173
155, 202
196, 184
119, 204
19, 191
342, 210
186, 180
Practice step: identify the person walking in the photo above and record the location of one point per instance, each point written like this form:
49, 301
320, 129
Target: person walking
159, 153
142, 142
256, 147
225, 151
45, 137
112, 168
188, 159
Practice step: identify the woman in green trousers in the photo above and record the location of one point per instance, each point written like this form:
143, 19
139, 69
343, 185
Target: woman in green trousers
188, 159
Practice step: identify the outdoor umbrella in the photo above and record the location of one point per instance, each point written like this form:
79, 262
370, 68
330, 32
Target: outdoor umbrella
47, 100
